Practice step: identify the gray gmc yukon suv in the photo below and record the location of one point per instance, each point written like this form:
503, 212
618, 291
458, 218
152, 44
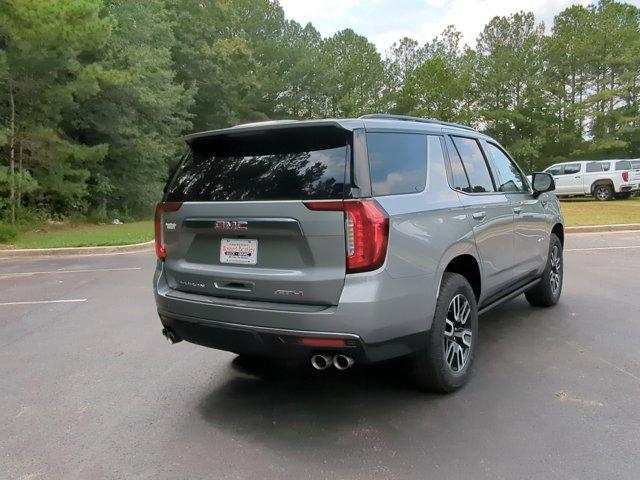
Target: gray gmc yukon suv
347, 241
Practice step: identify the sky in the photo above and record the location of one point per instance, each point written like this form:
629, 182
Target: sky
384, 22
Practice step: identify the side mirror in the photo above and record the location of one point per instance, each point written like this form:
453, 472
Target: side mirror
542, 182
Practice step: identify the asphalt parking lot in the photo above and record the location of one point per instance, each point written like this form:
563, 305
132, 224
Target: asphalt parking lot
90, 389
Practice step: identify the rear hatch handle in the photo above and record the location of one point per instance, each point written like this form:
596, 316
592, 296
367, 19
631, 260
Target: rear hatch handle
234, 286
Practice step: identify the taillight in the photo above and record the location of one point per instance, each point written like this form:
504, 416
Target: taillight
366, 228
161, 208
625, 176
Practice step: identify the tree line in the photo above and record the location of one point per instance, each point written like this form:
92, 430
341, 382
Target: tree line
95, 94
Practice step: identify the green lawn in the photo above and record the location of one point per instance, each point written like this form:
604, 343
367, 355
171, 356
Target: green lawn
586, 211
83, 235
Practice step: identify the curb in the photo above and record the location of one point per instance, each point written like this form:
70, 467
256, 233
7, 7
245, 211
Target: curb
622, 227
45, 252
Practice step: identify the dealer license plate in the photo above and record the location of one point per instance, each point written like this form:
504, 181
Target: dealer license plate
239, 250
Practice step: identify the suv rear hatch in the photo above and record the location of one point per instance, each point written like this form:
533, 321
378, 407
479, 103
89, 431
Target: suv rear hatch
234, 222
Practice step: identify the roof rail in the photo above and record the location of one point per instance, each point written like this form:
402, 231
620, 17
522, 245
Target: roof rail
407, 118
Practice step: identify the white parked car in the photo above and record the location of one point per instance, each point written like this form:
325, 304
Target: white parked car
602, 179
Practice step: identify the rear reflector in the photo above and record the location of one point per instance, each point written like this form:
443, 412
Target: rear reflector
322, 342
366, 232
161, 208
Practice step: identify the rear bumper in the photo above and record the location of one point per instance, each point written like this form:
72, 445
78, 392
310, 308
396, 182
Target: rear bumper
383, 317
249, 340
630, 187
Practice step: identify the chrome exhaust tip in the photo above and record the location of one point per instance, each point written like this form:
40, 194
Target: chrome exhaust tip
171, 337
342, 362
321, 362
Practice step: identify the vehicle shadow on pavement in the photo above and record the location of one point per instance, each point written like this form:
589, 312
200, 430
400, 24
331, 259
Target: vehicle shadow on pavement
303, 410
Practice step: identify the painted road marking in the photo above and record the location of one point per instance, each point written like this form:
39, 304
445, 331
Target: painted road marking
90, 270
600, 248
37, 302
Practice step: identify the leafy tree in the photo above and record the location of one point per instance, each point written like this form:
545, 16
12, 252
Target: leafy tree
94, 94
303, 83
139, 111
403, 58
441, 85
508, 82
355, 74
46, 69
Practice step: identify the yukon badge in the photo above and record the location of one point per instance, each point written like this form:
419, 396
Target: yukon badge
231, 225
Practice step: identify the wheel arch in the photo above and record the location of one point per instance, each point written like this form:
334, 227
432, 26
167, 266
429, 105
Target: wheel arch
558, 230
468, 266
602, 181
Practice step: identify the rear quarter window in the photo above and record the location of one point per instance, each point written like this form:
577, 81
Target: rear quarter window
595, 167
397, 162
623, 165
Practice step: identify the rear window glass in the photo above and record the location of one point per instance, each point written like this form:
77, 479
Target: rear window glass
635, 164
283, 164
397, 162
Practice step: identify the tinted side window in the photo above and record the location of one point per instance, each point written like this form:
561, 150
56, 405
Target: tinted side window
571, 168
509, 177
459, 176
397, 162
474, 164
623, 165
435, 149
606, 166
555, 170
594, 167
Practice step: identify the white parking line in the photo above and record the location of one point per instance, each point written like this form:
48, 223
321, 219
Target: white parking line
88, 270
36, 302
600, 248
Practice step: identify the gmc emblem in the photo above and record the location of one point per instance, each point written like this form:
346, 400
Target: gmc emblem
231, 225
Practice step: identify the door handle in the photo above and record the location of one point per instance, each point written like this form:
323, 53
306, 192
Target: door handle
479, 215
517, 210
577, 176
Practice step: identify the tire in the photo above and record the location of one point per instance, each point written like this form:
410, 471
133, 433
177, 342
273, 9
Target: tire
442, 367
547, 292
603, 192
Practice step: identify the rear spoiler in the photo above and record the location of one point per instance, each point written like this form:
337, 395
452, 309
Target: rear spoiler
259, 127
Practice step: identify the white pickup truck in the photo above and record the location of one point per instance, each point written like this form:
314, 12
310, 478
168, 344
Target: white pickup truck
602, 179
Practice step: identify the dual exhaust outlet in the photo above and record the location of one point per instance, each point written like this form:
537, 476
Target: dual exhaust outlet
322, 362
318, 361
